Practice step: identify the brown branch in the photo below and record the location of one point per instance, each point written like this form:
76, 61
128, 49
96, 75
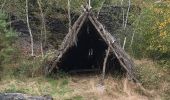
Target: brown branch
104, 63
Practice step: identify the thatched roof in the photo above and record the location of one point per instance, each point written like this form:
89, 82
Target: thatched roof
72, 40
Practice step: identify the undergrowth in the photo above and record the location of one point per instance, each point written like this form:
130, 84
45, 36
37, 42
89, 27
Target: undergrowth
154, 77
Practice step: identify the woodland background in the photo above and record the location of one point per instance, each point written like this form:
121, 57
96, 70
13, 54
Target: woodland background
32, 30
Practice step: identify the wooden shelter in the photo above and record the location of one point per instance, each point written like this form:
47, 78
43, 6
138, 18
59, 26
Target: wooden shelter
89, 46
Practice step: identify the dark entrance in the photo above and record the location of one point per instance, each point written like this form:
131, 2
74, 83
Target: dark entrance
88, 53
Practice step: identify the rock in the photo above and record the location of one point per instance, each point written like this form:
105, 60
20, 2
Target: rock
20, 96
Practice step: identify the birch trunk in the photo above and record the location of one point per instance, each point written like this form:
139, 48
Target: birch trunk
125, 24
29, 29
43, 28
69, 15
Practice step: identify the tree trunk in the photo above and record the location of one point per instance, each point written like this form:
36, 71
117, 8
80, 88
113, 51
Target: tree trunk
69, 15
43, 28
125, 23
29, 29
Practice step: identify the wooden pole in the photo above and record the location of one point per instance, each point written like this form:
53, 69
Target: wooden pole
104, 64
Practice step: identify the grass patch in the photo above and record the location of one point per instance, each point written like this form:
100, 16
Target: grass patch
76, 98
154, 77
149, 74
57, 88
62, 86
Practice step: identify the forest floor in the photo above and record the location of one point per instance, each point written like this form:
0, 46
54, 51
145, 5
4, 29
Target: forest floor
86, 86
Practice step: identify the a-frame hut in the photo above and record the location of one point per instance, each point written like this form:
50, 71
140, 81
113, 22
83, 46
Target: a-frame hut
89, 46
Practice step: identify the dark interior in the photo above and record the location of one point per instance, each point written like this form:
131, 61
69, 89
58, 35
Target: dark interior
89, 52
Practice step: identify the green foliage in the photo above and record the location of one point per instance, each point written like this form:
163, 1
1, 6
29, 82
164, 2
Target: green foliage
28, 68
149, 77
13, 89
7, 37
76, 98
152, 31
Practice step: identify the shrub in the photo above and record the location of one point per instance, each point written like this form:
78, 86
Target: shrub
149, 74
7, 37
29, 68
153, 31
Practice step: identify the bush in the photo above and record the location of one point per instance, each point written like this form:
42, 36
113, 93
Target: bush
150, 74
153, 31
29, 68
7, 37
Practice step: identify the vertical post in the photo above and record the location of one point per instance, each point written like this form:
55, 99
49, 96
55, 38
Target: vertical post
104, 63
